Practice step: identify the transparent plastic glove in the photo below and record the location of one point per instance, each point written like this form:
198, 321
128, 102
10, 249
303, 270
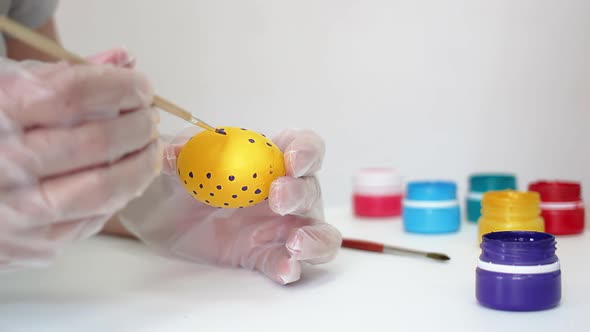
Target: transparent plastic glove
77, 143
273, 237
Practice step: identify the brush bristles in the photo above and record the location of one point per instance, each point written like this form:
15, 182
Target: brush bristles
440, 257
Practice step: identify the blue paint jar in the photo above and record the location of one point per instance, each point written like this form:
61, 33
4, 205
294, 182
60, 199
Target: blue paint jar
431, 207
479, 184
518, 271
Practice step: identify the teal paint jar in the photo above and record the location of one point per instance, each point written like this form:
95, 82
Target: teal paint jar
481, 183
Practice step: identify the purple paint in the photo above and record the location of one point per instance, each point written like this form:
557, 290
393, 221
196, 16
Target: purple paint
518, 271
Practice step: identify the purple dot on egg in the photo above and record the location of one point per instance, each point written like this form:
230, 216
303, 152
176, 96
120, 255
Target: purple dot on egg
206, 201
244, 188
255, 175
226, 204
258, 191
234, 196
220, 131
194, 192
251, 140
231, 177
201, 186
250, 201
190, 174
218, 187
208, 175
268, 144
211, 194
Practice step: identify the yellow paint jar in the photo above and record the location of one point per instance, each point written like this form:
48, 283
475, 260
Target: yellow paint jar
510, 210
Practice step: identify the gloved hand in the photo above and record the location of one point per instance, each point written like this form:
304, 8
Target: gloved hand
273, 237
77, 143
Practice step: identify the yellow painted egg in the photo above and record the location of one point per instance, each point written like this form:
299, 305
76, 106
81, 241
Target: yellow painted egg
233, 169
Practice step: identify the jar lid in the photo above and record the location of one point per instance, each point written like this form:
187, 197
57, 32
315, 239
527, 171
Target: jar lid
484, 182
380, 179
431, 190
557, 191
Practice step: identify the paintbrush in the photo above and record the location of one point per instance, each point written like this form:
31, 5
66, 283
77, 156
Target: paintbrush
387, 249
44, 44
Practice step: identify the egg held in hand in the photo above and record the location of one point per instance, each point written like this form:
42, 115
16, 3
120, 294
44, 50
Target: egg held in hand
233, 169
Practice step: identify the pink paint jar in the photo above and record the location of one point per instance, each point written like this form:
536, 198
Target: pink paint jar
377, 193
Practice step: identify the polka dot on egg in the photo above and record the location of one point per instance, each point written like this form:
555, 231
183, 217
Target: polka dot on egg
255, 175
207, 201
208, 175
250, 201
185, 182
190, 174
234, 196
269, 144
258, 191
226, 204
218, 187
244, 188
211, 194
194, 192
201, 186
231, 178
251, 140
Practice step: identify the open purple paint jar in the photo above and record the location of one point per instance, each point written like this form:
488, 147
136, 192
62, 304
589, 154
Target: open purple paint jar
518, 271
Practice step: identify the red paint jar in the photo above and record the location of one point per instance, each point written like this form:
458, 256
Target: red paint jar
562, 207
377, 193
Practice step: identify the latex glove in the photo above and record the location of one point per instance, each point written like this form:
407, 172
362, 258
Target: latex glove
273, 237
77, 143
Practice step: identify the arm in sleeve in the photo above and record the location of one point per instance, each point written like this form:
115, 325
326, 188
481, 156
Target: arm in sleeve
33, 13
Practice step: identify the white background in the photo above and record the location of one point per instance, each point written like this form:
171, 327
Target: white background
436, 88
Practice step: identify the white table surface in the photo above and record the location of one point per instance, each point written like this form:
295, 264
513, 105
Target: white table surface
110, 284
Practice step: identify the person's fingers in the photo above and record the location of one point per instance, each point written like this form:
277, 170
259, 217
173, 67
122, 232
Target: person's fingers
303, 150
60, 150
95, 191
171, 152
297, 196
277, 230
118, 57
315, 244
106, 189
275, 262
173, 148
66, 95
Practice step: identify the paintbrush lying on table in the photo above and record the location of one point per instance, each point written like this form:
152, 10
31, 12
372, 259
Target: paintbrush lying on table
387, 249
